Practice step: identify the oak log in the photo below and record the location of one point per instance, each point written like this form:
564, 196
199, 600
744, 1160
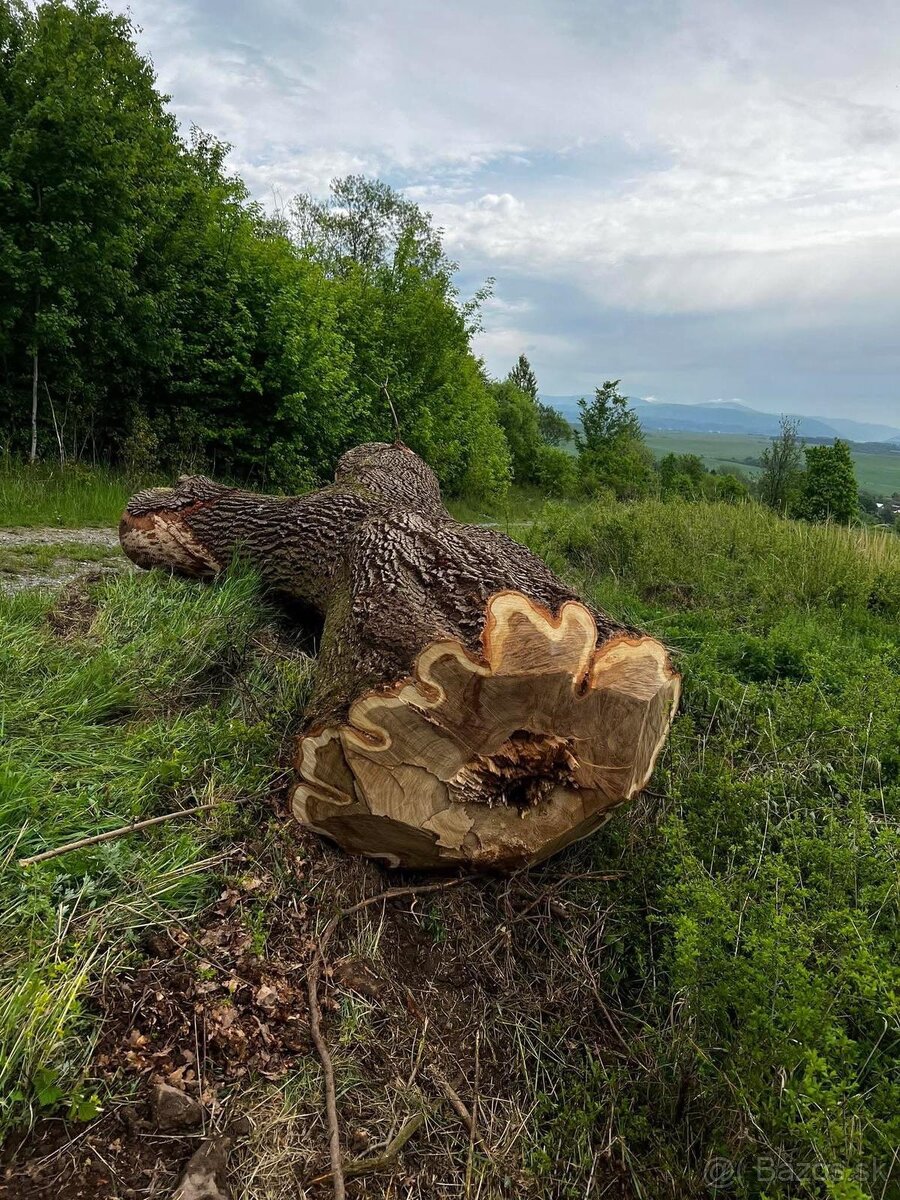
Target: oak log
468, 707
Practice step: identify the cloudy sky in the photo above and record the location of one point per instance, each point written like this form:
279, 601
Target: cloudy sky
699, 197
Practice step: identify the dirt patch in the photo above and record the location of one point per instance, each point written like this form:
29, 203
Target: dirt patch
423, 997
117, 1156
27, 558
74, 611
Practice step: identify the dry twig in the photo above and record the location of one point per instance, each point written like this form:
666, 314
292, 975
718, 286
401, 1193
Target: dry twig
454, 1099
600, 876
113, 834
377, 1162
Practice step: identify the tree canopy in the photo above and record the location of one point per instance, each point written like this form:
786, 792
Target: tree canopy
830, 491
782, 468
555, 429
152, 313
524, 378
535, 457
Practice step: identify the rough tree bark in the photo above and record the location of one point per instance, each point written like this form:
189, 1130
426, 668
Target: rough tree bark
467, 706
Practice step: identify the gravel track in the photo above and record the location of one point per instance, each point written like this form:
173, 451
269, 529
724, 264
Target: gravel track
17, 574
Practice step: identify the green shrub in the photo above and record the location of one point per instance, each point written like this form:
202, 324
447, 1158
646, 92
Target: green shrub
556, 472
751, 952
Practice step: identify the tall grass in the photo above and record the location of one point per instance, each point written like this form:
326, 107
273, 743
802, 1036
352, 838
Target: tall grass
77, 497
743, 558
69, 497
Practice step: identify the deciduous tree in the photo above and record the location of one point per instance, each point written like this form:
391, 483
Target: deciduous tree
782, 468
830, 491
555, 429
147, 294
612, 451
518, 417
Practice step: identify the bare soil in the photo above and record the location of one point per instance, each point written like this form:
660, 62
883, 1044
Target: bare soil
48, 536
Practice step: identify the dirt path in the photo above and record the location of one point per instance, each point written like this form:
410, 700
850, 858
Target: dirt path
24, 535
40, 556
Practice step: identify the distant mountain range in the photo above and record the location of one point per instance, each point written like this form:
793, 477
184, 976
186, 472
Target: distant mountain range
729, 416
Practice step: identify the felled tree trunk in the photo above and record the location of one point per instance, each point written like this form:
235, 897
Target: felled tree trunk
467, 706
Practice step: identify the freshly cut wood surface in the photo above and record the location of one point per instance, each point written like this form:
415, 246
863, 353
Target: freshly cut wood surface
468, 707
496, 759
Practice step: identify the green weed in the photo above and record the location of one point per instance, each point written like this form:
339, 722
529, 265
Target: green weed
753, 949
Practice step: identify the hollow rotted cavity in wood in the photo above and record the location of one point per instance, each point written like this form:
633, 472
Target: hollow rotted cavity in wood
526, 769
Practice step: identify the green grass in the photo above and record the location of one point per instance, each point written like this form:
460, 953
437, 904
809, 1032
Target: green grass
71, 497
38, 557
516, 508
748, 955
164, 701
753, 950
75, 497
878, 473
740, 560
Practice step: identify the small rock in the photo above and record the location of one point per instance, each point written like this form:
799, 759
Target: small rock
203, 1177
174, 1109
359, 1140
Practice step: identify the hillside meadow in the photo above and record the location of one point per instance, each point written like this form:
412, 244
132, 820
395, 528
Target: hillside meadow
702, 998
877, 472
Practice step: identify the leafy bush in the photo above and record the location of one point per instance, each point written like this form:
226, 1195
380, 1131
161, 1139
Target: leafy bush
556, 472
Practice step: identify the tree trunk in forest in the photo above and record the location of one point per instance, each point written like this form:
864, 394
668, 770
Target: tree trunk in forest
467, 706
34, 406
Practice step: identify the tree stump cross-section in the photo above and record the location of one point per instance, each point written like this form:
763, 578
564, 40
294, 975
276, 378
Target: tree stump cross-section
468, 708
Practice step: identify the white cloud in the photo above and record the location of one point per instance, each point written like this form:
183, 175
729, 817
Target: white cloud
641, 162
505, 343
496, 304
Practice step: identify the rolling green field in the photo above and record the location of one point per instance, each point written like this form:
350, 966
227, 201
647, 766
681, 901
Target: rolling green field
877, 472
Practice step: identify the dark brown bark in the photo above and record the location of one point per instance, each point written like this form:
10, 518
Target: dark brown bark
467, 705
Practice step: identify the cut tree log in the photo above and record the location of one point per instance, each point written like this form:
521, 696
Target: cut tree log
468, 707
